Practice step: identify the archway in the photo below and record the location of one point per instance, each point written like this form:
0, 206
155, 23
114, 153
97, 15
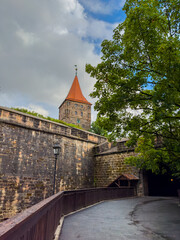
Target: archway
162, 185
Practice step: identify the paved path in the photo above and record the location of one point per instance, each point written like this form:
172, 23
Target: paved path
148, 218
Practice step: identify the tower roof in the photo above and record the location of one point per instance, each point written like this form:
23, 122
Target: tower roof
75, 93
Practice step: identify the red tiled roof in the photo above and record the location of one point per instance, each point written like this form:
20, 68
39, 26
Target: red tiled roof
75, 93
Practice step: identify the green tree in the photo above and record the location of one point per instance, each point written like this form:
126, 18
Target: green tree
138, 85
97, 128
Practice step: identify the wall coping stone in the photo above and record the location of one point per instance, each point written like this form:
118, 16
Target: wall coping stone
60, 129
114, 152
117, 148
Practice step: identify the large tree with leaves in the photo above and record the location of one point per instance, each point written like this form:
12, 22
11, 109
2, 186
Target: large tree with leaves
138, 83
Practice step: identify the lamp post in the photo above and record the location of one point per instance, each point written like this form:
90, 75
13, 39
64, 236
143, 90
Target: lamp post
56, 148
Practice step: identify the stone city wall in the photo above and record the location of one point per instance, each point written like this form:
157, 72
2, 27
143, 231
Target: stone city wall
27, 159
108, 167
109, 164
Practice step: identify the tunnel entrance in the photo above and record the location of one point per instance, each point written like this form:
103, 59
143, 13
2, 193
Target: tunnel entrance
162, 185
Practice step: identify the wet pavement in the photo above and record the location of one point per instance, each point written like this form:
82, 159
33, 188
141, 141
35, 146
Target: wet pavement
148, 218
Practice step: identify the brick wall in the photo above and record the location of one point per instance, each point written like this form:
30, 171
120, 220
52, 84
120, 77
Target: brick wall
27, 160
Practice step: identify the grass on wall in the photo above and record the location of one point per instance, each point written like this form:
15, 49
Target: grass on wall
23, 110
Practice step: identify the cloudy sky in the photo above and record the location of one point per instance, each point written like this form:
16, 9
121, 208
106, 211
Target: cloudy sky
42, 40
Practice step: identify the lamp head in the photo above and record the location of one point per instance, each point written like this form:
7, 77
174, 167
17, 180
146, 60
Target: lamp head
56, 148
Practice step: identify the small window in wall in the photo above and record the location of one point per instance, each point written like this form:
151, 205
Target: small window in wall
78, 120
81, 114
88, 107
68, 103
75, 112
81, 106
76, 105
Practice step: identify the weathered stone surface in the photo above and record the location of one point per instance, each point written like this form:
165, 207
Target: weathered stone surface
27, 160
102, 147
76, 113
109, 165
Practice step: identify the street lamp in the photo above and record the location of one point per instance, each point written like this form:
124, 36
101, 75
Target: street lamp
56, 149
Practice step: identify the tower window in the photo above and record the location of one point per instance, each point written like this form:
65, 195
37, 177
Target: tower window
75, 112
81, 114
78, 120
67, 111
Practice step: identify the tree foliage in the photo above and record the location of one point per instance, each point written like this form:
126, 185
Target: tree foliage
97, 128
138, 85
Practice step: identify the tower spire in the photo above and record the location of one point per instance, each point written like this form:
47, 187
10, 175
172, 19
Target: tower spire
75, 108
75, 70
75, 93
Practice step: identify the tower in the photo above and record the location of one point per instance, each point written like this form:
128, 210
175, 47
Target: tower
76, 109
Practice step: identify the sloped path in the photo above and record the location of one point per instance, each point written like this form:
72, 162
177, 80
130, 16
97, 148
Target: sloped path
148, 218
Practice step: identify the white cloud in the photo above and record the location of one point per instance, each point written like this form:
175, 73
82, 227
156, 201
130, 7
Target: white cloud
60, 30
5, 100
40, 43
72, 6
38, 109
99, 29
27, 38
35, 108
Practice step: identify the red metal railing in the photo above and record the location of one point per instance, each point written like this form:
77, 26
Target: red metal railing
40, 221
